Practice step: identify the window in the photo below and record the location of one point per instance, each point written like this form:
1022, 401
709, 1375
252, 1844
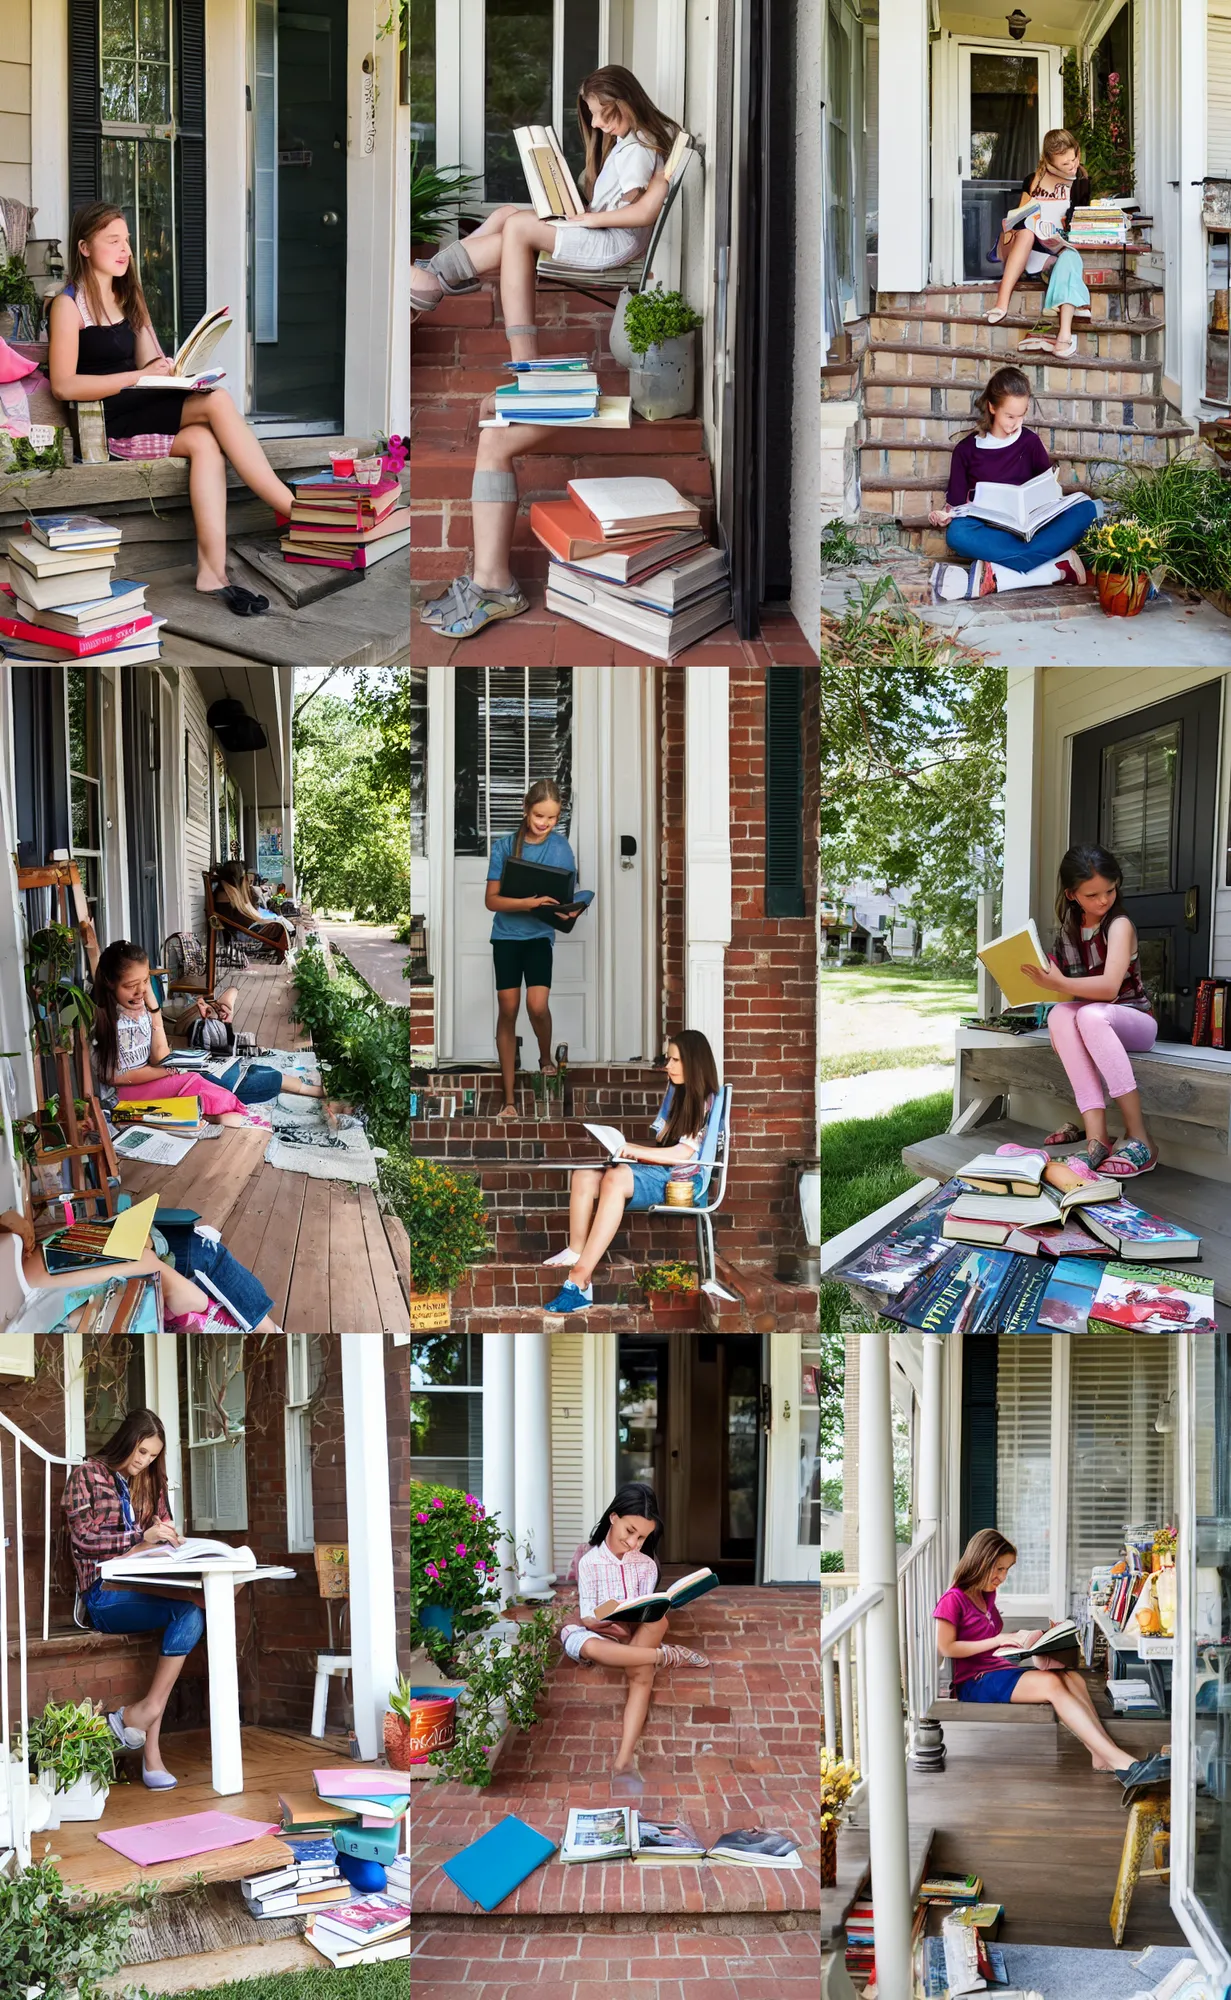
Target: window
1121, 1464
1023, 1461
784, 792
809, 1443
517, 87
511, 726
838, 163
216, 1408
1140, 796
418, 760
137, 157
303, 1376
446, 1410
423, 81
85, 785
113, 1368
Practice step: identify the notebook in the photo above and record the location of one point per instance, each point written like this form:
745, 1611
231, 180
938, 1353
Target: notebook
491, 1867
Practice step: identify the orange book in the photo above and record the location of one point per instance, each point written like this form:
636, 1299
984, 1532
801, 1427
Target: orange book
571, 534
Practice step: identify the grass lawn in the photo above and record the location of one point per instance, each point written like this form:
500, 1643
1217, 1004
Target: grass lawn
861, 1159
860, 1061
390, 1981
927, 993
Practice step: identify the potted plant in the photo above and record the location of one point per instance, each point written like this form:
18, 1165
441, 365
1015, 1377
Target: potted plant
446, 1221
671, 1292
1126, 557
73, 1752
454, 1561
503, 1671
653, 335
436, 195
838, 1780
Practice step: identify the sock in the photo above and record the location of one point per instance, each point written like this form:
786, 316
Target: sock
1028, 579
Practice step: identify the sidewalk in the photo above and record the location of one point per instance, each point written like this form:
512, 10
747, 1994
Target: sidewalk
376, 957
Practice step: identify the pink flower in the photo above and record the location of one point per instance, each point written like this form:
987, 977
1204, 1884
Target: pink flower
420, 1517
470, 1499
432, 1570
460, 1550
438, 1503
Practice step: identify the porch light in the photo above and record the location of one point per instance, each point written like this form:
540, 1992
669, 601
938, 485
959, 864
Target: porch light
1018, 24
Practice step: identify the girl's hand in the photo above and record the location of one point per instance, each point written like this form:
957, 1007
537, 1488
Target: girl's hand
1024, 1638
160, 1531
940, 517
541, 902
159, 366
1051, 981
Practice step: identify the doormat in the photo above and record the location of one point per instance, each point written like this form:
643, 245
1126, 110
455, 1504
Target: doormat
199, 1920
303, 1141
1061, 1972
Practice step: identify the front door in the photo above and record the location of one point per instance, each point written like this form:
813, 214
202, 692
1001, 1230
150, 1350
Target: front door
793, 1468
688, 1419
1145, 786
297, 240
1006, 95
141, 767
500, 64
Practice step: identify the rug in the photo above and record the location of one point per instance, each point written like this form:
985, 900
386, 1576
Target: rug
1063, 1973
303, 1141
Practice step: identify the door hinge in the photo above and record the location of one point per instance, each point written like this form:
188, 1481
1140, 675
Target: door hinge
1192, 902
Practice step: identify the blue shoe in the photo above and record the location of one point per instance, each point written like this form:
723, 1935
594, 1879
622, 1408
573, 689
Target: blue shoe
570, 1299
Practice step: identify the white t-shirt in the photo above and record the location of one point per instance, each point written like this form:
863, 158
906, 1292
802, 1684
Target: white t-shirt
631, 163
990, 443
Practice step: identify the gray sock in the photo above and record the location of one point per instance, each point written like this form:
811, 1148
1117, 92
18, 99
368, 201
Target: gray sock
499, 486
453, 267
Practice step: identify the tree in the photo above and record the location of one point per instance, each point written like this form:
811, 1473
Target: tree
912, 763
351, 825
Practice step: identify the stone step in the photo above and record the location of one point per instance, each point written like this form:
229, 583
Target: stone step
1074, 448
964, 373
1136, 339
888, 420
974, 298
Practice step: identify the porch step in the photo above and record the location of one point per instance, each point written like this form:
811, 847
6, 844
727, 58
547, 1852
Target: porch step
974, 298
712, 1962
1137, 338
890, 418
1074, 448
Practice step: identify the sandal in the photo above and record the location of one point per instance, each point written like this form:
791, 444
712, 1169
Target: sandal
507, 1112
244, 603
466, 607
681, 1656
1036, 343
1066, 349
1067, 1135
1129, 1159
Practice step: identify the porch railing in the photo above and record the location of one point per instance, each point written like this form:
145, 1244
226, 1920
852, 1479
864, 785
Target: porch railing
919, 1591
844, 1610
15, 1829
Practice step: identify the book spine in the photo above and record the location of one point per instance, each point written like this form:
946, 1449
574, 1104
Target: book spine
534, 180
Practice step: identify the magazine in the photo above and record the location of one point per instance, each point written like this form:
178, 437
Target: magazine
963, 1295
599, 1833
1131, 1299
1069, 1295
891, 1263
1016, 1307
755, 1847
188, 1555
666, 1840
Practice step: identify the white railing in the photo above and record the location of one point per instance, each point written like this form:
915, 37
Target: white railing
15, 1828
919, 1592
844, 1683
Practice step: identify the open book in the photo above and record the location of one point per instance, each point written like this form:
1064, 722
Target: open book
553, 191
656, 1603
1059, 1642
1005, 956
1023, 510
190, 357
189, 1555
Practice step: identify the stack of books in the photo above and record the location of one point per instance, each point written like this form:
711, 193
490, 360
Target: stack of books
378, 1797
1098, 227
341, 524
560, 389
363, 1932
312, 1881
630, 560
63, 602
860, 1952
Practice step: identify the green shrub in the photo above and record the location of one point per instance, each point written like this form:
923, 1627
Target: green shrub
444, 1217
67, 1943
652, 317
363, 1044
1187, 504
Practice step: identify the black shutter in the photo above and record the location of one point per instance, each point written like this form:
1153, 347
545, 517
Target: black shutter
978, 1485
784, 792
190, 163
85, 144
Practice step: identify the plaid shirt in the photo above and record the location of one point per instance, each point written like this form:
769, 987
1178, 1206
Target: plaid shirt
602, 1578
95, 1516
1084, 958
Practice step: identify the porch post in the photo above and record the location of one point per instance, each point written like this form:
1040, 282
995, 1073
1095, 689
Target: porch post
1191, 120
1023, 735
707, 850
881, 1731
902, 262
532, 1475
498, 1449
162, 1394
369, 1532
931, 1404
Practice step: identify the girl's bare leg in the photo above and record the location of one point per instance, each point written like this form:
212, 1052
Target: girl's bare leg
1130, 1112
180, 1295
613, 1195
484, 258
240, 445
494, 520
1015, 261
523, 237
147, 1713
538, 1007
583, 1190
1095, 1123
207, 492
1077, 1714
508, 1000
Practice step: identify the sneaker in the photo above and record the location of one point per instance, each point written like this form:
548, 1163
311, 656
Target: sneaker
466, 607
949, 582
1072, 568
1154, 1770
570, 1299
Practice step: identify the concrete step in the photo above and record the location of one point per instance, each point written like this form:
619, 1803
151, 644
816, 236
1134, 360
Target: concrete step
974, 298
1136, 339
961, 373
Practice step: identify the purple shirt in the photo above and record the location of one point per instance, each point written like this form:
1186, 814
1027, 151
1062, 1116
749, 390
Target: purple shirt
1007, 465
969, 1622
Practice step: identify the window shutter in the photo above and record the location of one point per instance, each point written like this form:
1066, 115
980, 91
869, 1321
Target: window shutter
569, 1525
1121, 1469
978, 1435
1023, 1461
85, 144
784, 792
1218, 82
190, 174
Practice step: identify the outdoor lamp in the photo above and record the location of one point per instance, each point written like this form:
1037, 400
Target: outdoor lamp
1018, 24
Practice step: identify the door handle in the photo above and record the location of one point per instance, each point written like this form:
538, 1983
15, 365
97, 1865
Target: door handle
1192, 901
330, 218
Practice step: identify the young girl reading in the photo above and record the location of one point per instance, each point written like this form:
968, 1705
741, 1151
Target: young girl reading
101, 341
130, 1042
618, 1564
970, 1630
1104, 1012
599, 1197
522, 940
1003, 452
1059, 184
231, 893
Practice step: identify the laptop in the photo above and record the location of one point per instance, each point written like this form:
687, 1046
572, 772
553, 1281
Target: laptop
535, 878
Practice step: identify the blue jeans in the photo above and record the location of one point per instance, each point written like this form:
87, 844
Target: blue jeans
260, 1084
979, 541
181, 1625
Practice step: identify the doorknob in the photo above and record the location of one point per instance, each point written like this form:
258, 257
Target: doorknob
1192, 899
330, 218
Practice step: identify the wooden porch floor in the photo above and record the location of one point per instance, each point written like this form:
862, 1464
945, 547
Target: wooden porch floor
329, 1259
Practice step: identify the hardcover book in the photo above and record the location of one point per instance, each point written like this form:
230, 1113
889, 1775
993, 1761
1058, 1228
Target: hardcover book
1069, 1295
1136, 1236
1132, 1300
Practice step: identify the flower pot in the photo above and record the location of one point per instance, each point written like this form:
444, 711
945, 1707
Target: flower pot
673, 1308
80, 1800
1121, 596
829, 1856
437, 1617
661, 381
432, 1726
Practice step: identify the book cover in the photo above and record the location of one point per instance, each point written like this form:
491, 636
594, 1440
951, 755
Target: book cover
1130, 1299
1134, 1233
1069, 1295
598, 1833
893, 1261
75, 645
951, 1888
1004, 958
962, 1297
367, 1922
755, 1847
1016, 1308
1066, 1239
666, 1840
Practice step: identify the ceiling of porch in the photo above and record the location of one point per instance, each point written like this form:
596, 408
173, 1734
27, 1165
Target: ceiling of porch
1064, 21
265, 693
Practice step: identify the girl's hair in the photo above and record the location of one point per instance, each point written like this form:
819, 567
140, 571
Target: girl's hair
1058, 140
236, 877
148, 1489
1078, 865
541, 789
687, 1110
978, 1556
1005, 382
617, 85
109, 972
635, 1498
126, 291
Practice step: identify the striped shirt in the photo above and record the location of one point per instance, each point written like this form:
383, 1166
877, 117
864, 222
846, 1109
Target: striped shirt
94, 1509
602, 1579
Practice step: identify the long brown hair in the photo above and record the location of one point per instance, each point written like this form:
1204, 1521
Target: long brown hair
126, 291
1079, 864
540, 790
149, 1489
688, 1103
107, 975
977, 1558
1058, 140
237, 879
613, 86
1005, 382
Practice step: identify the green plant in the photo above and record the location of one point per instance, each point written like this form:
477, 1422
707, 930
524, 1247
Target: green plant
352, 1982
839, 547
502, 1685
73, 1740
57, 1003
1100, 126
454, 1554
667, 1278
831, 1562
22, 456
399, 1700
1187, 504
436, 197
1124, 547
652, 317
65, 1944
360, 1040
16, 284
445, 1218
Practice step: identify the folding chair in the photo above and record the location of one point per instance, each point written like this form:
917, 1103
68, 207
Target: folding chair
714, 1155
225, 921
637, 273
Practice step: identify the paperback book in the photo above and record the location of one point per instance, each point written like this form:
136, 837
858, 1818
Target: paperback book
1005, 956
892, 1262
1132, 1300
599, 1833
1069, 1295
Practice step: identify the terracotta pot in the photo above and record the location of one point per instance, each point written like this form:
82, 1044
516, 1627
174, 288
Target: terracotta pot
829, 1857
1121, 596
431, 1727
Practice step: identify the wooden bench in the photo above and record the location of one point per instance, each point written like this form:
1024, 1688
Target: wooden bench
946, 1708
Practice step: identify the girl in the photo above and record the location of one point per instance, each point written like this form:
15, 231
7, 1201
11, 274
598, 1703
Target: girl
969, 1630
231, 893
130, 1042
115, 1502
101, 341
619, 1563
1059, 184
1097, 962
598, 1197
522, 941
1002, 451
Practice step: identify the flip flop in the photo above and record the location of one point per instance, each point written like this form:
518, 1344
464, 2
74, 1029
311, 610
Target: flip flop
244, 603
1035, 343
1067, 1135
1130, 1160
995, 315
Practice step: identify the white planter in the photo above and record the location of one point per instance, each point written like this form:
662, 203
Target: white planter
79, 1801
661, 381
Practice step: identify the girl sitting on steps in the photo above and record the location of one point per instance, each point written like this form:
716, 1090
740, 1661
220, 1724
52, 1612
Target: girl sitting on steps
1059, 184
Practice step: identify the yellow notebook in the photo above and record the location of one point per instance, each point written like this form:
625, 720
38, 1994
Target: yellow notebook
131, 1228
1004, 958
159, 1110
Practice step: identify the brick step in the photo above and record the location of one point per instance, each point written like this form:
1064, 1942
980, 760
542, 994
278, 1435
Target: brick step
435, 345
1074, 449
962, 372
477, 1959
887, 420
553, 307
839, 385
451, 1082
478, 376
1136, 339
974, 298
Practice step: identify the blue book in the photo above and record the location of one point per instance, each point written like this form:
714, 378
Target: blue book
1070, 1294
311, 1847
491, 1867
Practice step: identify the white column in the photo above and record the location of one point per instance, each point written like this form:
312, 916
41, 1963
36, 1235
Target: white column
162, 1395
369, 1533
498, 1449
1191, 116
1023, 734
226, 182
707, 850
599, 1365
881, 1729
532, 1476
225, 1743
986, 988
931, 1406
49, 119
902, 264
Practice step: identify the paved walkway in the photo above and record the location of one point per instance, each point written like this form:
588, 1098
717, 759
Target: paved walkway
880, 1090
376, 956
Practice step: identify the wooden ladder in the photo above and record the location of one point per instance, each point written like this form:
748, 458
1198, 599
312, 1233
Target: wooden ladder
93, 1170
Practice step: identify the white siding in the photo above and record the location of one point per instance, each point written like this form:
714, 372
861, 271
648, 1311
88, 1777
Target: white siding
197, 850
569, 1525
1218, 81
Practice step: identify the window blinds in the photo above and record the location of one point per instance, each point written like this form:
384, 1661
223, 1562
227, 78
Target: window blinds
1218, 83
1121, 1469
1023, 1461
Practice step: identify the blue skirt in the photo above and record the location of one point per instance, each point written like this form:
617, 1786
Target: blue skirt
995, 1685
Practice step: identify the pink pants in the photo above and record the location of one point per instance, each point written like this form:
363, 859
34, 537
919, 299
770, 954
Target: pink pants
214, 1098
1092, 1038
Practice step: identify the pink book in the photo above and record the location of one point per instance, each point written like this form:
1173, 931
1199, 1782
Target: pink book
160, 1840
357, 1782
381, 1917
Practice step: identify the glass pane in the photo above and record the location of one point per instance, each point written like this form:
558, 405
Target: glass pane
1121, 1464
1210, 1633
154, 93
551, 733
517, 87
113, 1373
78, 720
641, 1412
423, 82
119, 100
580, 57
1218, 295
469, 834
809, 1534
119, 182
446, 1440
153, 28
1138, 791
1004, 117
1023, 1460
84, 802
157, 215
446, 1360
740, 1498
501, 796
118, 26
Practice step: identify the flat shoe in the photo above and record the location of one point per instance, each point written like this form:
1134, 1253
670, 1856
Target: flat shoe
244, 603
1065, 1135
997, 313
158, 1781
128, 1739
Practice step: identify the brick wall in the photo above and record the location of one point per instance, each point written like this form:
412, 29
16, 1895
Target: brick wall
422, 1020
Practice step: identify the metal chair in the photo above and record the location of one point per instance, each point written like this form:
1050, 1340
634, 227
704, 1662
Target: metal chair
638, 271
715, 1153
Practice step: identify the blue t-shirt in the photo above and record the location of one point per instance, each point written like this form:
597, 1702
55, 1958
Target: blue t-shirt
554, 852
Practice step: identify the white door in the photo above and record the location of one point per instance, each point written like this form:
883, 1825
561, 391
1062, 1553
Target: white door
991, 104
793, 1469
498, 67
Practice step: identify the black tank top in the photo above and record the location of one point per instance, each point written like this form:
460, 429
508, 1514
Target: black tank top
106, 350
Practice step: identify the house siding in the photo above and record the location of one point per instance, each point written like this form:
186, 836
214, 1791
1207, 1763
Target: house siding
1218, 85
569, 1525
198, 850
15, 102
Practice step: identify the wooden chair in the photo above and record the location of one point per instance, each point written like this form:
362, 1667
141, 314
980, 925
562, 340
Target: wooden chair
333, 1582
636, 274
220, 918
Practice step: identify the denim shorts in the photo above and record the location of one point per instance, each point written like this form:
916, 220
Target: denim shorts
996, 1685
229, 1280
649, 1185
181, 1625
